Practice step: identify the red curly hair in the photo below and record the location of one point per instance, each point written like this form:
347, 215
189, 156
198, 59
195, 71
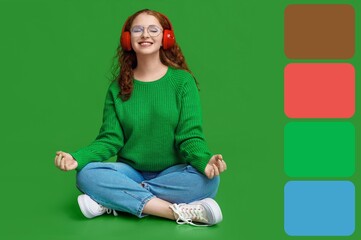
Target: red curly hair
126, 61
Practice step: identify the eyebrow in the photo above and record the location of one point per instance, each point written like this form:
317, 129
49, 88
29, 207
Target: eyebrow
136, 25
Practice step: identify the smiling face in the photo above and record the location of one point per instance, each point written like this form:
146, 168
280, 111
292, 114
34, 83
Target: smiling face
143, 30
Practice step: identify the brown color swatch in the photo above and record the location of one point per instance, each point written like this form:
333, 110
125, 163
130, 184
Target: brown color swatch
319, 31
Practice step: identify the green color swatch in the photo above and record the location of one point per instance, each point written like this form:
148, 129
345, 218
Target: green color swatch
319, 149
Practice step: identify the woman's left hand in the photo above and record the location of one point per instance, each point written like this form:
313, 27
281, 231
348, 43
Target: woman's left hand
215, 166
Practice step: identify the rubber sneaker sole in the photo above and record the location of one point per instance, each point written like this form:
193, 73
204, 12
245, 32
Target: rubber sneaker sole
83, 206
212, 207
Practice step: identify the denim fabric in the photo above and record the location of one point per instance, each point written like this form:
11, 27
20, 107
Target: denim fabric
120, 187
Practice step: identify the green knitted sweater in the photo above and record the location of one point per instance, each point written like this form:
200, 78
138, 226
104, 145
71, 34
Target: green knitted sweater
158, 127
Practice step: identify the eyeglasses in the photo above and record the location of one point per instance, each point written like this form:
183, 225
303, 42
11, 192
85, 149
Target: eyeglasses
152, 30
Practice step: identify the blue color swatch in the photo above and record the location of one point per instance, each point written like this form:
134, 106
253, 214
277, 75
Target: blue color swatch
319, 208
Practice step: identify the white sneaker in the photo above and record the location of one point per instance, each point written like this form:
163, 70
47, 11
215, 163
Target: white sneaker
206, 211
91, 209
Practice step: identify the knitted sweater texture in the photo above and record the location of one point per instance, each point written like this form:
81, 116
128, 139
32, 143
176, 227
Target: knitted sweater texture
158, 127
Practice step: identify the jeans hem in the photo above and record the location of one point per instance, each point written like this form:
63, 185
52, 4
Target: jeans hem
141, 206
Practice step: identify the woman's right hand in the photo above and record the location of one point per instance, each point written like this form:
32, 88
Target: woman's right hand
66, 162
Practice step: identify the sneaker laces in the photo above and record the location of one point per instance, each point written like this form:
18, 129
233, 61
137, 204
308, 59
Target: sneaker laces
188, 213
107, 210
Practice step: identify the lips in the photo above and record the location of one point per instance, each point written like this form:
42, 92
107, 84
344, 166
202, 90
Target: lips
145, 43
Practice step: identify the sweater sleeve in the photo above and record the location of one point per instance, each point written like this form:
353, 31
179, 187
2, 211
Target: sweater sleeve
109, 140
189, 135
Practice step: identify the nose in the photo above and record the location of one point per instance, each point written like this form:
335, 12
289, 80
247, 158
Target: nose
145, 33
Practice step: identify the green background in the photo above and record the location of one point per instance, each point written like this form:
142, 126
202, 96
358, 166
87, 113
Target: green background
55, 59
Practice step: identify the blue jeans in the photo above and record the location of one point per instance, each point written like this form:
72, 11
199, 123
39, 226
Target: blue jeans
120, 187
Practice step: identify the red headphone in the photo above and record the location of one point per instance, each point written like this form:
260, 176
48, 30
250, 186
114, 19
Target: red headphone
168, 37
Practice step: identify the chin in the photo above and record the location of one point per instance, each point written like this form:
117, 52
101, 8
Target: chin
146, 51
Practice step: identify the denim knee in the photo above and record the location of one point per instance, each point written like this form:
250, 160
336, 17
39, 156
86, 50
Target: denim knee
85, 178
209, 187
213, 186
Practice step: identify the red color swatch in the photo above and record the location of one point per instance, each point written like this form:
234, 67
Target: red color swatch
319, 90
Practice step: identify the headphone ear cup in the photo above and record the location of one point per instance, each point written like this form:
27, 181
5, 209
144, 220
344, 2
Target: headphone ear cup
125, 41
168, 39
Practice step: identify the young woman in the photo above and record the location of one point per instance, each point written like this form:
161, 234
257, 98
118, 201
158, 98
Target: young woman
152, 121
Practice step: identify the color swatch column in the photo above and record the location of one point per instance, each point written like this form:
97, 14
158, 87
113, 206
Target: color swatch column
319, 156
